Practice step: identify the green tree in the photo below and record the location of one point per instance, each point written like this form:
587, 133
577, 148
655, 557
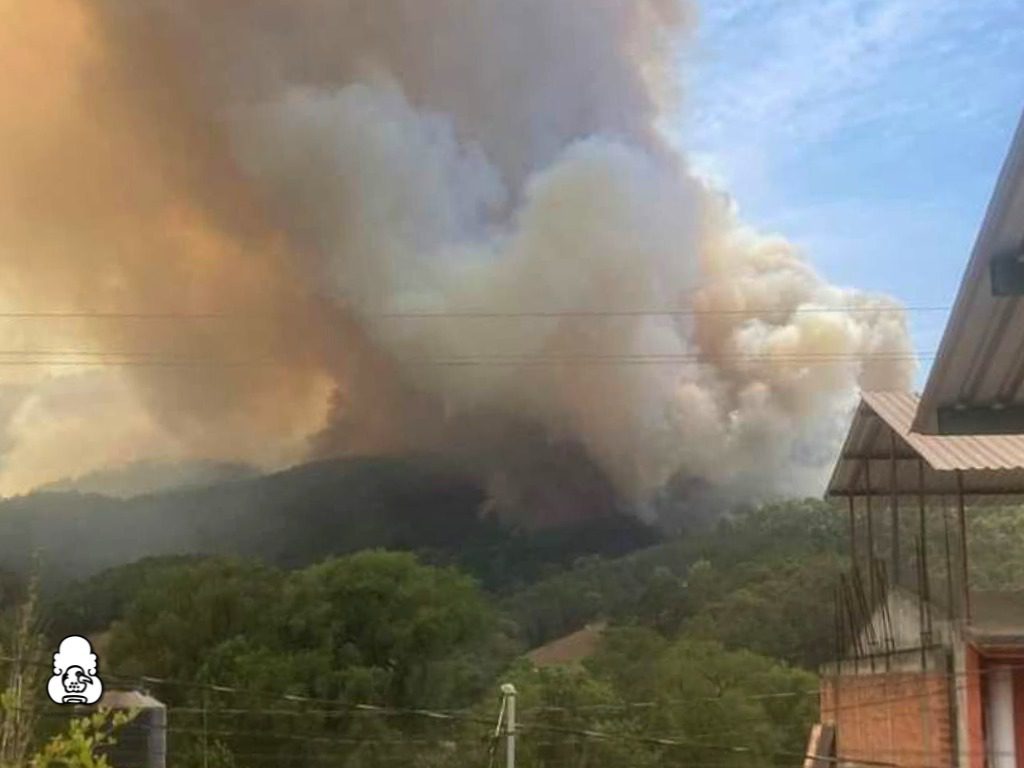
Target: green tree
996, 541
386, 628
647, 700
708, 697
93, 604
665, 584
780, 608
21, 661
181, 614
84, 742
375, 627
558, 704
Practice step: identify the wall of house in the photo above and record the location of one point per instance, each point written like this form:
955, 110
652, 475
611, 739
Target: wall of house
901, 717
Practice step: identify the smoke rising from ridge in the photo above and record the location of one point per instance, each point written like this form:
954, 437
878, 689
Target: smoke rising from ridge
317, 171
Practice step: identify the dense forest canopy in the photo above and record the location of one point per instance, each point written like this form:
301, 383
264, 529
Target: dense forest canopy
297, 517
375, 657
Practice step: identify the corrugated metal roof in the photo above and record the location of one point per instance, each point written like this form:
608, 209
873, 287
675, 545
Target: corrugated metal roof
981, 357
946, 452
882, 456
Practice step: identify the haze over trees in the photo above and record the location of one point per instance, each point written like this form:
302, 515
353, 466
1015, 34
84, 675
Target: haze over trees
294, 518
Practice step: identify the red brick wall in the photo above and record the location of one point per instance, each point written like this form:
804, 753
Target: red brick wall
897, 717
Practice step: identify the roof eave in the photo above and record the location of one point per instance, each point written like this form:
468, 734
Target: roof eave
1011, 178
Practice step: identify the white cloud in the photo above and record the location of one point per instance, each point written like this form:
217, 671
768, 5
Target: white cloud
868, 131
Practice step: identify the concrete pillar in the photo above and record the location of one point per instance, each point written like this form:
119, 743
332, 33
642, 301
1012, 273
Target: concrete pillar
157, 752
969, 711
1002, 742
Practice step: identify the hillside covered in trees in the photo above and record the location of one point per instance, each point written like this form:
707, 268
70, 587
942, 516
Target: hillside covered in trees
344, 658
381, 657
296, 517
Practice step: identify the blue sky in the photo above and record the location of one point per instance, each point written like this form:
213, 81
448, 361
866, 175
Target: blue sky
870, 132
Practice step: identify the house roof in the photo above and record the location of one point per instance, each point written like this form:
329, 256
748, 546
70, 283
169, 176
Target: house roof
569, 649
975, 386
946, 452
980, 361
129, 700
881, 454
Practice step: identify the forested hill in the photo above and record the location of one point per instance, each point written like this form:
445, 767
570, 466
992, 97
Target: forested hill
711, 640
720, 618
761, 580
141, 478
747, 581
299, 516
754, 580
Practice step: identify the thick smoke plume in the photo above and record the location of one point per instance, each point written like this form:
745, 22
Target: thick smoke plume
341, 181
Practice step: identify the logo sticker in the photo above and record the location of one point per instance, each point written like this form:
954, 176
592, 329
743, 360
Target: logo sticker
74, 678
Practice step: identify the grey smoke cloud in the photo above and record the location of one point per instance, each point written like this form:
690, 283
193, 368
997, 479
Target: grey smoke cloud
314, 166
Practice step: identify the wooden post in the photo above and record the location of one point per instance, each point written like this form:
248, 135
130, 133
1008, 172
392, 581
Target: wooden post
963, 546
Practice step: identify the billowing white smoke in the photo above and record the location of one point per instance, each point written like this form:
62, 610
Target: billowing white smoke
439, 157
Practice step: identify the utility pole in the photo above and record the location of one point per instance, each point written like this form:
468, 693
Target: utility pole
508, 693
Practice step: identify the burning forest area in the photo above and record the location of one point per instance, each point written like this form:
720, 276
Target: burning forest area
397, 382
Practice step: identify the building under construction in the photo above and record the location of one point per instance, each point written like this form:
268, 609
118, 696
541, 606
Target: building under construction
929, 670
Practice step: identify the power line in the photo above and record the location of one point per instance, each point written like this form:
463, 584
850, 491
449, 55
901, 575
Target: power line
587, 733
705, 700
461, 714
315, 739
654, 740
348, 741
340, 708
687, 743
694, 355
690, 356
584, 733
85, 315
481, 314
133, 364
92, 353
664, 360
685, 312
580, 733
213, 366
99, 359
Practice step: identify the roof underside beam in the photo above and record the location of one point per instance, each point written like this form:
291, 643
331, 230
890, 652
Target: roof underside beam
879, 457
979, 420
886, 492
